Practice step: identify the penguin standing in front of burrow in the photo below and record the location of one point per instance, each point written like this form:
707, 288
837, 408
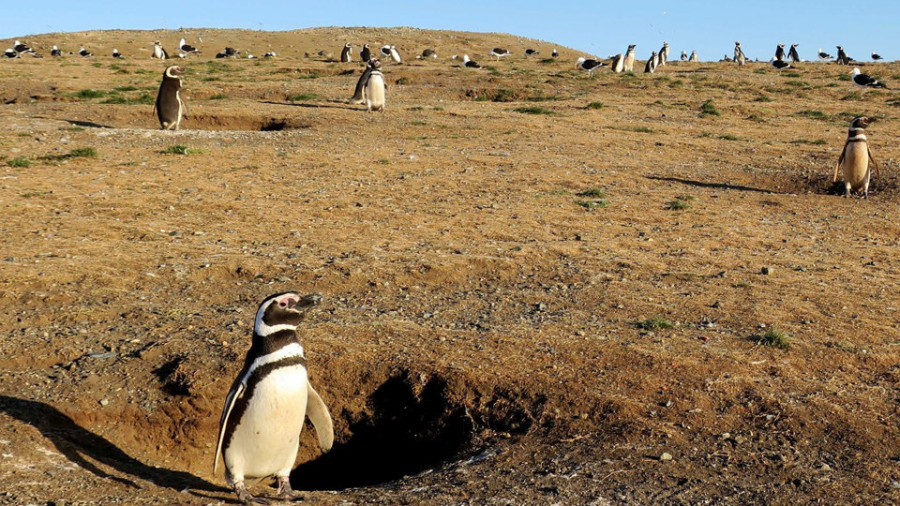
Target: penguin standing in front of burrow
855, 158
371, 65
345, 53
169, 106
259, 431
365, 54
628, 64
373, 91
652, 63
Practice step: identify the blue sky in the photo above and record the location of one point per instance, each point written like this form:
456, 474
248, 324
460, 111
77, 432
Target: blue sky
596, 28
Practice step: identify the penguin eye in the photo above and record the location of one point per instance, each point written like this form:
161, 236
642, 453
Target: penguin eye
282, 304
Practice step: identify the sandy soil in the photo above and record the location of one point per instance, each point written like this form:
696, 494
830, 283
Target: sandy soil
500, 254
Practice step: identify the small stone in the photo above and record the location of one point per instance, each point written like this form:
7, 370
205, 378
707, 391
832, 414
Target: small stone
665, 457
104, 402
767, 270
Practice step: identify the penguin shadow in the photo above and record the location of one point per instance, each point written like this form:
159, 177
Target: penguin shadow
315, 106
704, 184
83, 448
84, 124
405, 432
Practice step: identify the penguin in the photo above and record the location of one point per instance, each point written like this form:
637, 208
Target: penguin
499, 52
555, 53
270, 54
385, 51
187, 48
116, 54
169, 106
469, 63
371, 65
876, 56
823, 55
652, 62
21, 47
588, 64
618, 63
842, 58
739, 57
694, 57
85, 53
366, 53
864, 80
429, 53
55, 51
159, 52
684, 55
779, 64
345, 53
629, 59
664, 54
726, 58
221, 55
259, 430
779, 52
395, 55
11, 53
855, 158
793, 54
373, 91
530, 52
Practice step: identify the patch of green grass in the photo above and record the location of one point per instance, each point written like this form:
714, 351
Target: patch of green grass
677, 83
775, 338
73, 129
844, 77
851, 96
593, 192
708, 108
505, 95
19, 162
594, 105
218, 96
817, 142
655, 323
729, 137
123, 89
177, 149
115, 99
543, 98
213, 67
28, 195
418, 122
797, 84
82, 152
402, 81
593, 204
415, 108
681, 202
533, 110
383, 161
310, 75
812, 114
88, 94
763, 98
303, 96
547, 60
493, 70
790, 74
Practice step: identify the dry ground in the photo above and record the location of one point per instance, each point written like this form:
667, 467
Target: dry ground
492, 274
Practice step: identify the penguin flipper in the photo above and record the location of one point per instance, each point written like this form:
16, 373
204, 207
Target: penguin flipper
837, 166
877, 170
320, 417
236, 392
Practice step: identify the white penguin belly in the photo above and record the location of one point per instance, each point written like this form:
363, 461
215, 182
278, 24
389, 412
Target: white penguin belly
267, 438
375, 92
856, 165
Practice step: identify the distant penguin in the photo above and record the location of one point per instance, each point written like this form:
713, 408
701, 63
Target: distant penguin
618, 63
55, 51
726, 58
469, 63
11, 53
684, 55
265, 409
652, 62
876, 56
186, 48
345, 53
395, 55
21, 47
169, 106
842, 57
116, 53
855, 158
530, 52
429, 53
588, 64
385, 50
373, 91
85, 53
693, 57
366, 54
628, 65
270, 54
555, 53
793, 54
779, 52
499, 52
664, 54
159, 52
739, 57
371, 65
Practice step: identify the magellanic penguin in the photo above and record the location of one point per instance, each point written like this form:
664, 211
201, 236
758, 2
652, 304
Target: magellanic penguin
793, 54
694, 58
373, 91
739, 57
345, 53
366, 54
664, 54
429, 53
259, 431
628, 65
371, 65
855, 158
652, 62
169, 107
842, 58
684, 55
779, 52
618, 63
159, 52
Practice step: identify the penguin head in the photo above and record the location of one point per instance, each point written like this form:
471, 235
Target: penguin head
861, 122
173, 72
283, 310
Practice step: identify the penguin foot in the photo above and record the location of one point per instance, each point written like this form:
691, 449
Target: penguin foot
241, 490
285, 492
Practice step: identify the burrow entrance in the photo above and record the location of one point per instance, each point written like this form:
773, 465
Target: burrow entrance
413, 424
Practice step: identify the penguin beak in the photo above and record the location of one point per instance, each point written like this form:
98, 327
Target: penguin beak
297, 304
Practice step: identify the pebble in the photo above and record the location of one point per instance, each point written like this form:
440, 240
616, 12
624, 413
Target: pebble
665, 457
104, 402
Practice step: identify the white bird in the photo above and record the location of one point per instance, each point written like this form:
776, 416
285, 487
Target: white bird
187, 48
499, 52
469, 63
589, 64
864, 80
780, 64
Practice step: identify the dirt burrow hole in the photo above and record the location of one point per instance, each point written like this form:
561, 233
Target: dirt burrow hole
243, 122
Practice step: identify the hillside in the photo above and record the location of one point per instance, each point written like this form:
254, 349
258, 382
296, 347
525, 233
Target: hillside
539, 286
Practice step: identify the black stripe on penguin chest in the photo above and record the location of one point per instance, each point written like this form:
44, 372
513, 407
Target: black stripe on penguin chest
258, 375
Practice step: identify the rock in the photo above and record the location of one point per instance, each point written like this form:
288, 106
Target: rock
104, 402
665, 457
767, 270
